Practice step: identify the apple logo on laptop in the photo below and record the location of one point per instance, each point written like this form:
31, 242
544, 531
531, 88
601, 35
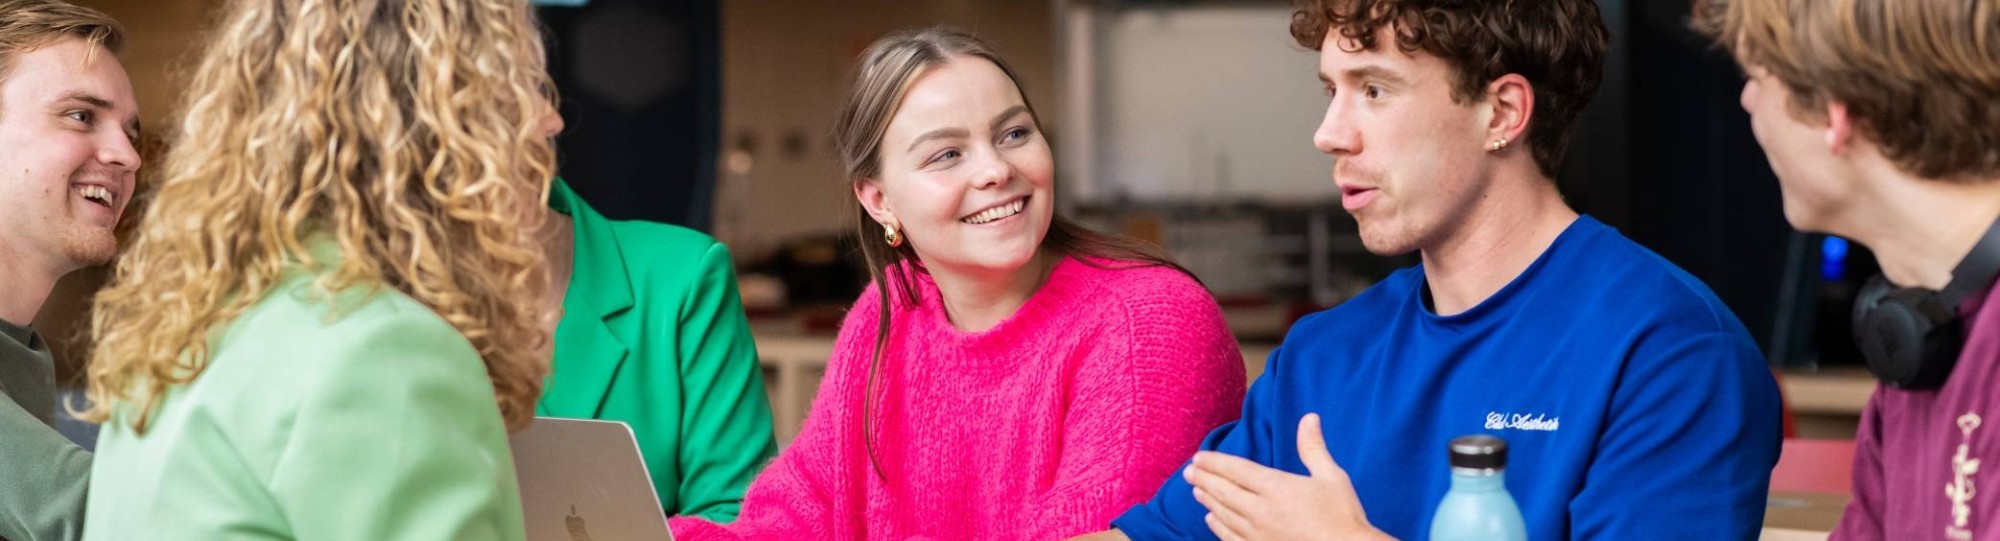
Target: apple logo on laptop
575, 523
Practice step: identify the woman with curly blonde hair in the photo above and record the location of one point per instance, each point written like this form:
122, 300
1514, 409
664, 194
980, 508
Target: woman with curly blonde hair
326, 324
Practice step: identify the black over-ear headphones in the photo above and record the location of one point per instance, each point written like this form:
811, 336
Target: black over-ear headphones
1911, 336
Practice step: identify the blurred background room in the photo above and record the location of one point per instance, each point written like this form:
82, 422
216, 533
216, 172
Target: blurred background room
1183, 122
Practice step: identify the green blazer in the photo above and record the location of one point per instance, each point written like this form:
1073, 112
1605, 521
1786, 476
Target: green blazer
653, 334
360, 416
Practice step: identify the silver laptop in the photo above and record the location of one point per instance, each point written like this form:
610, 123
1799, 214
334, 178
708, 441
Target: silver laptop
584, 480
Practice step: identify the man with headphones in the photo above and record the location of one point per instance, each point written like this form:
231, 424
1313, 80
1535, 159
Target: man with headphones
1882, 121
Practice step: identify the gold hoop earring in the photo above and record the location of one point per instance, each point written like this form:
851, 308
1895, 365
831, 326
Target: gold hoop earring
1497, 145
894, 238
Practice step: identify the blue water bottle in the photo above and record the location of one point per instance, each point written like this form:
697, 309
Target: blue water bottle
1478, 507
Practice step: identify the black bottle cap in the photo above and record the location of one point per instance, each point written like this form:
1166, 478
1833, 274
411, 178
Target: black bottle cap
1479, 452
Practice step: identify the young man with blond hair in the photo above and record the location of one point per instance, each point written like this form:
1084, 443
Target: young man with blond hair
68, 120
1881, 119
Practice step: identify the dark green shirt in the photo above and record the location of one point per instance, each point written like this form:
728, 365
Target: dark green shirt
42, 474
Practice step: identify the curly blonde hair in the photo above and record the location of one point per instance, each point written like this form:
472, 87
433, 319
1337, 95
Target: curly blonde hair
403, 130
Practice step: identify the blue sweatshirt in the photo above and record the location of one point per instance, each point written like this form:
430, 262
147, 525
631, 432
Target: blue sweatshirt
1634, 404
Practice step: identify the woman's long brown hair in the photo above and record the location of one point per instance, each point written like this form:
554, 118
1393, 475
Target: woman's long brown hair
887, 69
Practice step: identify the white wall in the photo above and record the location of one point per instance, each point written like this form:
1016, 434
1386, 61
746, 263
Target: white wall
1206, 102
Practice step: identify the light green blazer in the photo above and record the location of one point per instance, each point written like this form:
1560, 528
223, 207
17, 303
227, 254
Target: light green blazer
653, 334
373, 422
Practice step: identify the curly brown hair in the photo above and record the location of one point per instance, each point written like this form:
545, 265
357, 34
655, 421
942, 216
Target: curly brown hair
1558, 45
1920, 78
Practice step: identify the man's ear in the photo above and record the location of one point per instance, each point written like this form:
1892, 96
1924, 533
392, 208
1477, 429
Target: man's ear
1839, 128
1512, 100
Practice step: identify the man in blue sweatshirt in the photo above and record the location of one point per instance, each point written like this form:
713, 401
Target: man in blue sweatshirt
1634, 404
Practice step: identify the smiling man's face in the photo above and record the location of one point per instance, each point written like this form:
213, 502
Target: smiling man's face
68, 122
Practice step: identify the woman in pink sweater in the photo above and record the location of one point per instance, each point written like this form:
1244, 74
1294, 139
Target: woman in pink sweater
1009, 374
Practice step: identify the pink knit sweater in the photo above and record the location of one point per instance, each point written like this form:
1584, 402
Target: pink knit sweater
1046, 426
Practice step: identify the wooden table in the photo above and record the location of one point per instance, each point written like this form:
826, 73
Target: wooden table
1827, 403
794, 364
